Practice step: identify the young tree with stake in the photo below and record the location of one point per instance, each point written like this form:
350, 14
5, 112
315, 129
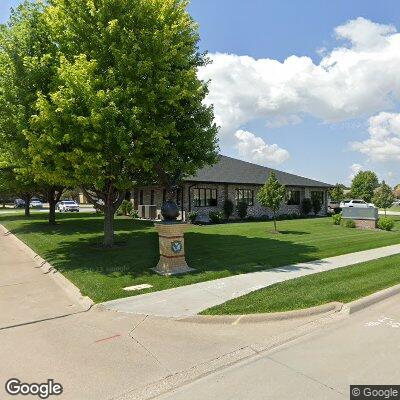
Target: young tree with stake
271, 195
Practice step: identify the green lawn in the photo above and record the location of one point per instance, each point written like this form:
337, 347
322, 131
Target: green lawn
343, 285
215, 251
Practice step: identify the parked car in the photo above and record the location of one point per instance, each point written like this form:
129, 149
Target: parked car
67, 205
36, 203
334, 207
19, 203
396, 203
357, 203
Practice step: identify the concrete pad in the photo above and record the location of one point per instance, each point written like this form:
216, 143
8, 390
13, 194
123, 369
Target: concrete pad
189, 300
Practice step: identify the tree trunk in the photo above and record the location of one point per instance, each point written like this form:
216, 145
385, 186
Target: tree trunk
27, 199
109, 210
52, 211
275, 222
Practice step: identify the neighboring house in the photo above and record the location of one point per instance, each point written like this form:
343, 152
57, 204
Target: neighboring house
232, 179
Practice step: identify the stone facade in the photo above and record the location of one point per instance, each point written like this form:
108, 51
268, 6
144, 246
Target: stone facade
224, 191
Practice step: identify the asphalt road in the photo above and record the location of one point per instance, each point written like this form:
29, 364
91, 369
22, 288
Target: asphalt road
362, 349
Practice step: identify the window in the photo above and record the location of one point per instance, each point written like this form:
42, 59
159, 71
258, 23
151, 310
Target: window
319, 195
293, 197
152, 197
205, 197
141, 197
245, 195
179, 197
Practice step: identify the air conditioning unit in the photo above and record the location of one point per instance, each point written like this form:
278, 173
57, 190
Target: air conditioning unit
150, 212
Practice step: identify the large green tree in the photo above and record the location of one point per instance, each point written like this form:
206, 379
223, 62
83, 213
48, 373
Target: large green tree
127, 104
363, 185
383, 196
271, 195
27, 66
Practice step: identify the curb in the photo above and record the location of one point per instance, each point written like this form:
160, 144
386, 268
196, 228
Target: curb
364, 302
328, 308
69, 288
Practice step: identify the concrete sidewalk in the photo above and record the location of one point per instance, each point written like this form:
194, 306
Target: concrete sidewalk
189, 300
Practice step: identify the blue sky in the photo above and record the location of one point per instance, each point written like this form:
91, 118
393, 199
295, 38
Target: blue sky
306, 123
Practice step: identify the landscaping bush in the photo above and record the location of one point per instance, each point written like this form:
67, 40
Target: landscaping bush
242, 209
125, 208
337, 219
134, 214
306, 206
216, 217
228, 208
350, 223
192, 217
385, 224
316, 205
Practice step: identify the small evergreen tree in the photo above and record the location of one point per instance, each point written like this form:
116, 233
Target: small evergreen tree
228, 208
316, 204
242, 209
271, 195
383, 196
306, 206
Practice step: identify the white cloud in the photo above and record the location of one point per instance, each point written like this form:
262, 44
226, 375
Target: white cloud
253, 148
360, 77
355, 169
383, 143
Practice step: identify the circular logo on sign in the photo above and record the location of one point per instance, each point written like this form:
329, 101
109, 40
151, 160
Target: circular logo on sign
176, 246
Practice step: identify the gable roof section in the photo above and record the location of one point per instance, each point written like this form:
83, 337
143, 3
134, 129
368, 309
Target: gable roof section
231, 170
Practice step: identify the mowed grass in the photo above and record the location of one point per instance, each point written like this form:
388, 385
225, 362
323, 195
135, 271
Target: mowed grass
343, 285
215, 251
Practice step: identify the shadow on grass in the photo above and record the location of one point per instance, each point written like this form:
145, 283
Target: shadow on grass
71, 246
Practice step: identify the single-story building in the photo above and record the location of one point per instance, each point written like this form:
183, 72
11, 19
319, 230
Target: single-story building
232, 179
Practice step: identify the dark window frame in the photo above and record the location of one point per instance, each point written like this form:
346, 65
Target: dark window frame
205, 197
141, 196
152, 197
291, 201
246, 195
320, 194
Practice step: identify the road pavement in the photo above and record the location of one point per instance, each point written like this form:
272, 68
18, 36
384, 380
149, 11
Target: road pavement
99, 354
363, 349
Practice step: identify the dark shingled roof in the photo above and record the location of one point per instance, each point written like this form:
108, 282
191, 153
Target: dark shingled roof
231, 170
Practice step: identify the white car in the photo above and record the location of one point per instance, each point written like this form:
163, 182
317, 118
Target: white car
68, 205
357, 203
35, 203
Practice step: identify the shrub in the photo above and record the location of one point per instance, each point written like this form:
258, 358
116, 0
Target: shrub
192, 217
385, 224
242, 209
125, 208
216, 217
337, 219
228, 208
316, 205
306, 206
134, 214
350, 223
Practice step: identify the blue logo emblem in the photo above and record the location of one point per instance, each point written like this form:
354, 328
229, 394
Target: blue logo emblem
176, 246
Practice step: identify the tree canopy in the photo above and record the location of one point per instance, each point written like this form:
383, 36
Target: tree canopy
383, 196
126, 103
364, 184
